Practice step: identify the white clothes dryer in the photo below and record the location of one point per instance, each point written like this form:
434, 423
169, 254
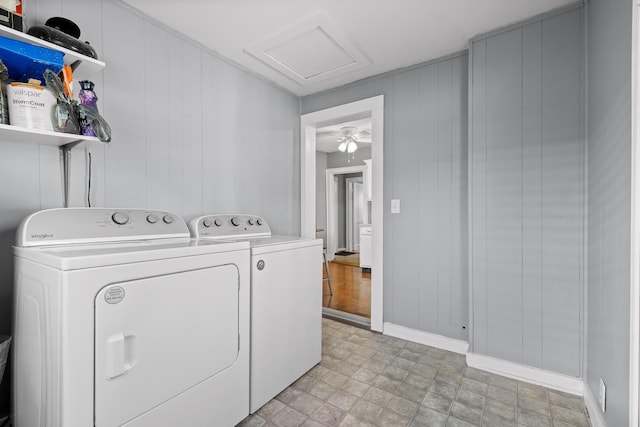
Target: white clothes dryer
121, 319
286, 300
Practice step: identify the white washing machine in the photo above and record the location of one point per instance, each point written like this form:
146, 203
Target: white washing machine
286, 300
121, 319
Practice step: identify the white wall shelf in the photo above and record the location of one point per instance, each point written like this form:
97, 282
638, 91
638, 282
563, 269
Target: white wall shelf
87, 66
36, 136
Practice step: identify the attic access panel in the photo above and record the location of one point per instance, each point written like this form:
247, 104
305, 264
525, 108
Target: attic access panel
310, 51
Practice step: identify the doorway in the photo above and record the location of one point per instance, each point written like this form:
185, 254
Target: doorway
341, 200
373, 108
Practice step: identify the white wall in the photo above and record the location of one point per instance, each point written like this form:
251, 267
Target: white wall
527, 192
191, 134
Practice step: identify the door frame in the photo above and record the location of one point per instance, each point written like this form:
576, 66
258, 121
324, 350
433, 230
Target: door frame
373, 107
634, 285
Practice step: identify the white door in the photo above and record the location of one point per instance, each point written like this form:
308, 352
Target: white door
355, 212
157, 337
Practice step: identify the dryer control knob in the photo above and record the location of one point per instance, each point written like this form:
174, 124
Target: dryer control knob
120, 218
235, 221
218, 222
168, 219
152, 218
259, 221
207, 223
251, 221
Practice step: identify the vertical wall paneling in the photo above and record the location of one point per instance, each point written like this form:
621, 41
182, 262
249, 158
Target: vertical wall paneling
458, 314
609, 67
504, 186
425, 164
125, 79
176, 124
428, 157
527, 193
444, 196
225, 111
157, 106
207, 125
562, 200
478, 196
192, 99
532, 194
405, 164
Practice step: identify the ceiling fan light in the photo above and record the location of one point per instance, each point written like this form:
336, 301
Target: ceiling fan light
343, 146
351, 147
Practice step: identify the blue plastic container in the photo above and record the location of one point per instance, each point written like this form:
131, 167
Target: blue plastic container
26, 61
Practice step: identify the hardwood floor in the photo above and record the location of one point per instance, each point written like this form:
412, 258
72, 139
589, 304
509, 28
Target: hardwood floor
351, 290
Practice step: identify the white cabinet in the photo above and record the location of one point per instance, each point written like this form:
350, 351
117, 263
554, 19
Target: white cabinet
368, 178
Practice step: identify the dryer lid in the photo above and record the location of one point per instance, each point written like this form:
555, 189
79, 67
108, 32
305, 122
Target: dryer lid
90, 225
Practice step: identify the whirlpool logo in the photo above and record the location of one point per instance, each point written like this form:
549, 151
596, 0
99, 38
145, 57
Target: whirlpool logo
42, 236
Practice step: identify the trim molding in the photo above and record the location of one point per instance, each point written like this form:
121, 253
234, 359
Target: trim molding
634, 276
595, 416
525, 373
308, 122
426, 338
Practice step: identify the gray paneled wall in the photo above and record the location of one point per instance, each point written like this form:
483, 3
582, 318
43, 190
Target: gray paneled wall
610, 147
527, 194
191, 133
425, 166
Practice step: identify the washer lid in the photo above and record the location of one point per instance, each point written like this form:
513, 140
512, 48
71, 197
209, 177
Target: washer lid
281, 243
80, 256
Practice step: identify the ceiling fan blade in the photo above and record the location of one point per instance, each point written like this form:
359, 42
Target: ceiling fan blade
362, 138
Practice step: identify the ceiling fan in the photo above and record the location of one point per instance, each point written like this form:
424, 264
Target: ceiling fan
349, 138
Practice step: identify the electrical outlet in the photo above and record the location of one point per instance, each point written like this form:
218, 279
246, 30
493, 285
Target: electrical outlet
602, 399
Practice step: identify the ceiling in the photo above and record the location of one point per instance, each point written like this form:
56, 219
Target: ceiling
327, 136
307, 46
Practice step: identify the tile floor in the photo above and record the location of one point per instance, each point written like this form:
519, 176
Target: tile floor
368, 379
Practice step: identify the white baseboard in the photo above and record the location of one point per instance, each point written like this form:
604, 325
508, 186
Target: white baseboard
426, 338
593, 408
525, 373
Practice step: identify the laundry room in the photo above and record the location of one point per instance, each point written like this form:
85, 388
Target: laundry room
493, 152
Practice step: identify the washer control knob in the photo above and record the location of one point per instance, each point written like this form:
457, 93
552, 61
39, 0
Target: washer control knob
207, 223
168, 219
259, 221
120, 218
217, 222
152, 218
251, 221
235, 221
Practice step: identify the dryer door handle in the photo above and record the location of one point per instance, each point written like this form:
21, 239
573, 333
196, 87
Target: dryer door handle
121, 354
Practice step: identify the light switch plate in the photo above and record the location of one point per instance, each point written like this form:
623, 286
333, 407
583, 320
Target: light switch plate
395, 206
